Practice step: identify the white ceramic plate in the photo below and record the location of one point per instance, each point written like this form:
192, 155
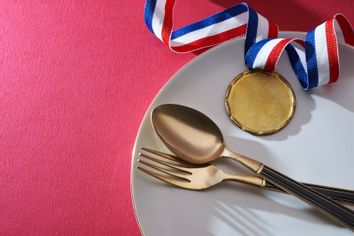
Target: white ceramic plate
316, 147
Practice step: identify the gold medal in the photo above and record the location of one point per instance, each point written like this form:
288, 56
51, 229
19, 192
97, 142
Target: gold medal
260, 102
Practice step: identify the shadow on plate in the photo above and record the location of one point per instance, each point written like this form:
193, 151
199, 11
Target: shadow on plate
242, 215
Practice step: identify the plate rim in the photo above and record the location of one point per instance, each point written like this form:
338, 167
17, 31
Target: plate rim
167, 83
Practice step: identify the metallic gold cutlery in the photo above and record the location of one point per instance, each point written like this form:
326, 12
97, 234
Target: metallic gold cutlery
196, 177
195, 138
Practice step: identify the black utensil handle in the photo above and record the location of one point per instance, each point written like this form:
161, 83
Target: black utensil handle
338, 212
339, 194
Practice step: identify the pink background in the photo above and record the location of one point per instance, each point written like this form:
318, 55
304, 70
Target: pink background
76, 78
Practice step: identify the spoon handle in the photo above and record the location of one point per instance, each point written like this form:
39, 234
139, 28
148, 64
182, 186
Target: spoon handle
338, 212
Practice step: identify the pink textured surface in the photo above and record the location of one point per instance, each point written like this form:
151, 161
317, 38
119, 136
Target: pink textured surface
76, 78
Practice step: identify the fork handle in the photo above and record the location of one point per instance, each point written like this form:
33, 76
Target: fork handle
338, 212
343, 195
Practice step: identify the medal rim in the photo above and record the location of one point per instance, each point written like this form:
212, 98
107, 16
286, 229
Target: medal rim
245, 127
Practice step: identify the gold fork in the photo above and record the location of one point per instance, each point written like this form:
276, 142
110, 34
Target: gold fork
196, 177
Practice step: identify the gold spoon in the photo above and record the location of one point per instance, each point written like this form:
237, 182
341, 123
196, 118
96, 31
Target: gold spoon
195, 138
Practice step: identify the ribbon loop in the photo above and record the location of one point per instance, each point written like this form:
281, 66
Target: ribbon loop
315, 60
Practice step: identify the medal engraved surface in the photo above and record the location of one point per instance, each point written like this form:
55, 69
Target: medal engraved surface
260, 102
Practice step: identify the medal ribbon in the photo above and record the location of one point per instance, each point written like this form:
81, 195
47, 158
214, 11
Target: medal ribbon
315, 60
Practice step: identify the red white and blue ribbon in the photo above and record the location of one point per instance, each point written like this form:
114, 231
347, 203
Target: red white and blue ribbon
315, 60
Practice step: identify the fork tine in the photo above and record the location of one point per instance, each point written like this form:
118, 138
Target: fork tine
176, 175
169, 164
171, 157
166, 179
161, 154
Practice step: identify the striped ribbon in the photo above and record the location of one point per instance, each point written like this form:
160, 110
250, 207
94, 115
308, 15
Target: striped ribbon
315, 60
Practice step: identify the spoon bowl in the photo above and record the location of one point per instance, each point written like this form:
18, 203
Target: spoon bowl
190, 134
